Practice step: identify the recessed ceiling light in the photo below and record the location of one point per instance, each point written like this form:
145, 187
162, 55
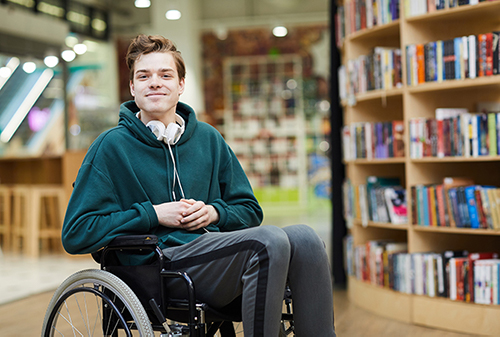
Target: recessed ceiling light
280, 31
51, 61
80, 48
173, 14
68, 55
29, 67
142, 3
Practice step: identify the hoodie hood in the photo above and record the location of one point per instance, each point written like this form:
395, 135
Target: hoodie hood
128, 119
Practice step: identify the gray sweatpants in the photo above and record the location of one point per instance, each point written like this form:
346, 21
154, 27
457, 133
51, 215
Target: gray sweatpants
256, 263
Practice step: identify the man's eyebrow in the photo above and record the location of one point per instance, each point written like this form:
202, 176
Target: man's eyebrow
163, 70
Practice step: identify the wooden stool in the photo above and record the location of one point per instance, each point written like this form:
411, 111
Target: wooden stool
5, 217
38, 214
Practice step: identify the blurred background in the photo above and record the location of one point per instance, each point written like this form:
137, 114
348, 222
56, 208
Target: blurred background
257, 70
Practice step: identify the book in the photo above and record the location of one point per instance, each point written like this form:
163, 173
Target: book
398, 138
448, 183
463, 207
492, 134
372, 183
492, 200
473, 257
395, 198
446, 256
471, 206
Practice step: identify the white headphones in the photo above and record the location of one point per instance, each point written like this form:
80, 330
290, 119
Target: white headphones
170, 134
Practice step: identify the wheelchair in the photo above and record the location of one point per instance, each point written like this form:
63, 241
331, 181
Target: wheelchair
133, 300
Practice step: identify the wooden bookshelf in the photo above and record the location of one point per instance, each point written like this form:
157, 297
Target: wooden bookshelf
382, 301
421, 101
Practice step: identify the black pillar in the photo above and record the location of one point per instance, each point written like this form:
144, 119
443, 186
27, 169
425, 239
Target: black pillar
338, 173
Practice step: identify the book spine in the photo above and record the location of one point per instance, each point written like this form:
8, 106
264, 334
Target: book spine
440, 205
471, 206
472, 56
492, 134
489, 54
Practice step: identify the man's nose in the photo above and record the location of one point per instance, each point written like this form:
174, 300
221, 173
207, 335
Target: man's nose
154, 82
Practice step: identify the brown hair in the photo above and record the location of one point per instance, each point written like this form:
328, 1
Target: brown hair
145, 44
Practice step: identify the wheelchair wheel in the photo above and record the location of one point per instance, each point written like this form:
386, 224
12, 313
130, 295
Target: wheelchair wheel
95, 303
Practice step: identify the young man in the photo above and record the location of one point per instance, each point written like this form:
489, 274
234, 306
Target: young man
160, 171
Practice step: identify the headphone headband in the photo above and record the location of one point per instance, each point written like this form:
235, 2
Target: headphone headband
170, 134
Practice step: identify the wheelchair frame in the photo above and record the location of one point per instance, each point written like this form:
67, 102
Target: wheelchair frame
189, 311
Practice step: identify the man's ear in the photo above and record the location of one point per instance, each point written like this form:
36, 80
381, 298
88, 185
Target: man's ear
182, 85
132, 91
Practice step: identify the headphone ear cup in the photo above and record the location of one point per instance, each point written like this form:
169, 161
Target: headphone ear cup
158, 128
173, 133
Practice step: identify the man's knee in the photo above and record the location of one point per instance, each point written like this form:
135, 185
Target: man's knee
275, 241
303, 235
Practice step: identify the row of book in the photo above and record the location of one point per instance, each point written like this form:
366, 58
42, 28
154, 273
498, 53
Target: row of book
357, 15
458, 58
379, 200
420, 7
457, 202
381, 69
455, 132
377, 140
457, 275
365, 14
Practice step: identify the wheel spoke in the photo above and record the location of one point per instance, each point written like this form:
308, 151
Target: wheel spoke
68, 320
81, 313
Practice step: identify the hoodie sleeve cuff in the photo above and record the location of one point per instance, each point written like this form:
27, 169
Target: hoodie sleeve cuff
220, 206
151, 214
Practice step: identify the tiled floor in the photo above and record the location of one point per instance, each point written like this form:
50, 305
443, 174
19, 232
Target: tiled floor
21, 277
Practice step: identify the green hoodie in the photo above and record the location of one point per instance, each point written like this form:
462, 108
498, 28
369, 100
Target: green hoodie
127, 170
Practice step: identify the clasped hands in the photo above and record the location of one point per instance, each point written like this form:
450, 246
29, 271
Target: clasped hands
187, 214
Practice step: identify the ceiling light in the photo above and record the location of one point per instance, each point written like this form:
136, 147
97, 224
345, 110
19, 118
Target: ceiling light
80, 48
29, 67
68, 55
5, 72
142, 3
280, 31
71, 41
51, 61
173, 14
221, 33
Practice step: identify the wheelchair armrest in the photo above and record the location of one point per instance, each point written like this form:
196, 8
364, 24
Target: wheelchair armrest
133, 240
130, 243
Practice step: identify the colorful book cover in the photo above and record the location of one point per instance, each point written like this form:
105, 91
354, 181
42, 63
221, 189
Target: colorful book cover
471, 206
395, 199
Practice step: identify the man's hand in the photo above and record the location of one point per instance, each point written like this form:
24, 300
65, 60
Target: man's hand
187, 214
198, 215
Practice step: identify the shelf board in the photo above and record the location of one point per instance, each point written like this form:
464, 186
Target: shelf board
398, 160
482, 11
468, 83
442, 313
378, 94
455, 159
382, 225
437, 312
381, 301
389, 29
456, 230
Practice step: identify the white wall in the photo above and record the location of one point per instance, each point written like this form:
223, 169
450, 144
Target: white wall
186, 35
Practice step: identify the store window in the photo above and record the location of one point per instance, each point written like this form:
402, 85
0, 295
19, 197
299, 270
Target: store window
31, 108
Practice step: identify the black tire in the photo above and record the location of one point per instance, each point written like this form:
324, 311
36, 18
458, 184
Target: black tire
77, 308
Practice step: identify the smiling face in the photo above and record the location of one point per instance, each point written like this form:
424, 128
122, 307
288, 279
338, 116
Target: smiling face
156, 86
